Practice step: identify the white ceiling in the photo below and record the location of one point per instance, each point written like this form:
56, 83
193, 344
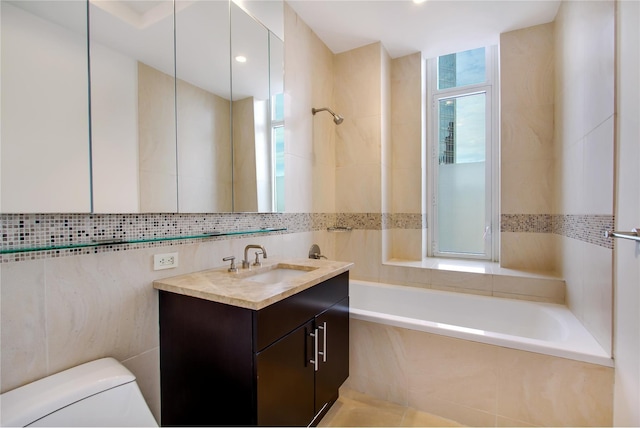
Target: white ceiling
435, 27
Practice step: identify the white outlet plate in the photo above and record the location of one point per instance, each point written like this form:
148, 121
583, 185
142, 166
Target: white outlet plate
165, 261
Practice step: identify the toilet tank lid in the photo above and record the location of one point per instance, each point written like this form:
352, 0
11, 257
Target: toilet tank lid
24, 405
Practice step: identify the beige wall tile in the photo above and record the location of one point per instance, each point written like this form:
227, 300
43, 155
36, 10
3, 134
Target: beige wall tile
406, 146
146, 368
526, 133
569, 173
23, 319
400, 275
478, 384
299, 191
407, 244
597, 297
406, 92
527, 186
450, 370
363, 248
549, 391
358, 81
549, 290
309, 140
453, 281
597, 174
377, 362
527, 66
98, 306
358, 189
528, 251
584, 43
359, 141
407, 194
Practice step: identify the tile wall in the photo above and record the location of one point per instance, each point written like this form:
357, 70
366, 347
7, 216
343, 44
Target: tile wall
584, 155
557, 155
477, 384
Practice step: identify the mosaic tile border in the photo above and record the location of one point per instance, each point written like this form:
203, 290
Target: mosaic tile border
536, 223
18, 231
586, 228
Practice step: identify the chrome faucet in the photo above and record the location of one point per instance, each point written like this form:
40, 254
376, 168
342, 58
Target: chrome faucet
245, 261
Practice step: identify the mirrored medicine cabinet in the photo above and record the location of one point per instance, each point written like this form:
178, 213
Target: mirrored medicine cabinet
118, 106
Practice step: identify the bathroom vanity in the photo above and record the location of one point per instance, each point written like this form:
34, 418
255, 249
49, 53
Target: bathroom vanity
266, 346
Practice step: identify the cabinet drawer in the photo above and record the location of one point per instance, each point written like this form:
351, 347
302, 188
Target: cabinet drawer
274, 321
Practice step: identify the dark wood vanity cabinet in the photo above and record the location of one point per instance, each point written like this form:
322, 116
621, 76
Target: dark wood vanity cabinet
278, 366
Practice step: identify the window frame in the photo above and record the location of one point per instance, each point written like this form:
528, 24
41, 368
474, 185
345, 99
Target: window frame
491, 88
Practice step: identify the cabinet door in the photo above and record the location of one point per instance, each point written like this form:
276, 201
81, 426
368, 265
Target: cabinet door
333, 344
286, 380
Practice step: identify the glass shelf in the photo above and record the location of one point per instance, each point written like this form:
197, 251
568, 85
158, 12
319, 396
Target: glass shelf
108, 242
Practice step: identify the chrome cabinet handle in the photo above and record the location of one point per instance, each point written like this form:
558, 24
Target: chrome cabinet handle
323, 327
315, 349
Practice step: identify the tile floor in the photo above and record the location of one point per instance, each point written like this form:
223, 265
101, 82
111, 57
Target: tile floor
354, 409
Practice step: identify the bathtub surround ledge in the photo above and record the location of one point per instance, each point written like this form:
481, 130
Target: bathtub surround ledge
474, 277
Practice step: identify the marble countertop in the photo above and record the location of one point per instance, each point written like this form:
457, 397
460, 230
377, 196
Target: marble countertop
238, 288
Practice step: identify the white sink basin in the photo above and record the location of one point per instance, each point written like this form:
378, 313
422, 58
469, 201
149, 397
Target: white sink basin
277, 275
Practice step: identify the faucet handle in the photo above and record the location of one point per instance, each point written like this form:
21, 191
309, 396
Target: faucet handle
233, 267
257, 262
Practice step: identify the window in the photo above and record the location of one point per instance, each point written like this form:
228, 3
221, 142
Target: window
462, 146
277, 136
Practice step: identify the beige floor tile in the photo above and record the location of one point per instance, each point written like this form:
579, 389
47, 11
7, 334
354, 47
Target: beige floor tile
354, 409
415, 418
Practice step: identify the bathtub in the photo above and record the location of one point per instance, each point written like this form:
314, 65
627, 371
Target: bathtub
544, 328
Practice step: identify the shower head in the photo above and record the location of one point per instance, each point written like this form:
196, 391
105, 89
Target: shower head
337, 119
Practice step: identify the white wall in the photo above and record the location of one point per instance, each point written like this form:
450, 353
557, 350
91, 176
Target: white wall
626, 411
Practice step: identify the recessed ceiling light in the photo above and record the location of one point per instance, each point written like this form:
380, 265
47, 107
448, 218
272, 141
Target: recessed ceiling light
419, 1
241, 58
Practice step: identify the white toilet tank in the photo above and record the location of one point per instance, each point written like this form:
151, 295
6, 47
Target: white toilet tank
99, 393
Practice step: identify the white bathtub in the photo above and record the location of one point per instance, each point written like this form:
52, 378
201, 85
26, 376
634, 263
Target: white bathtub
544, 328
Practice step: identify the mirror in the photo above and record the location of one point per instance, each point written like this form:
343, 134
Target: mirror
157, 135
45, 165
250, 111
133, 106
257, 122
203, 102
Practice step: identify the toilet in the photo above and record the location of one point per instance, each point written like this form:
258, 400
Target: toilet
98, 393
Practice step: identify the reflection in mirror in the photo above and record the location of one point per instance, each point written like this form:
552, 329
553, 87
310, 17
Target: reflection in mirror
257, 128
203, 101
129, 154
45, 163
133, 106
276, 84
250, 112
